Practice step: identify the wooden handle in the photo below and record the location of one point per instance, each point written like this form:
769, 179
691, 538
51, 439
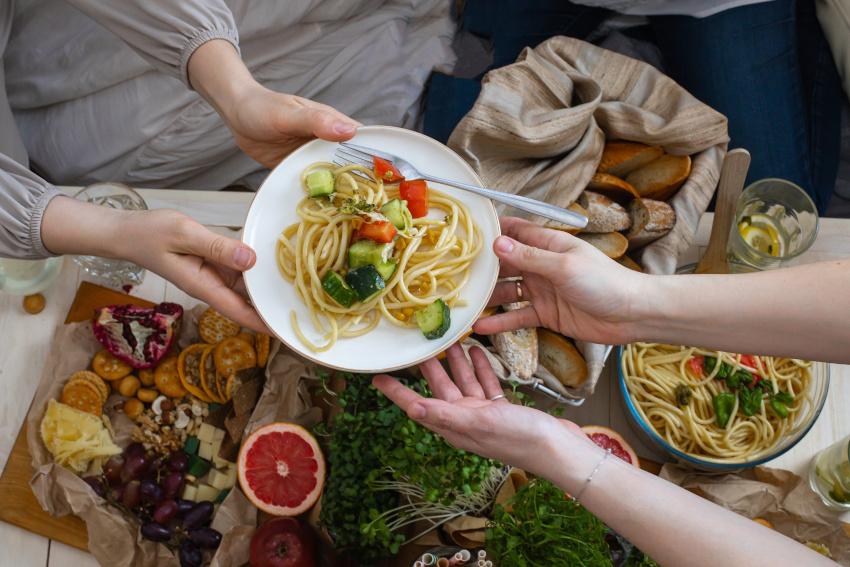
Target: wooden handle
732, 178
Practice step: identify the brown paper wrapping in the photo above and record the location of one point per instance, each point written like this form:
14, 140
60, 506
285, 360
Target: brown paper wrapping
780, 497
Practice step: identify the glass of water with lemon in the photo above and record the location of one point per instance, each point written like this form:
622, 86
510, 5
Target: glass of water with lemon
776, 221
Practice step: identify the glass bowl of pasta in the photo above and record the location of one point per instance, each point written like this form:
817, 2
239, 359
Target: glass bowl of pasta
719, 411
361, 270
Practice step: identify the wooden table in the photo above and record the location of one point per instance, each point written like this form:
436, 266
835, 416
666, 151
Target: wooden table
26, 340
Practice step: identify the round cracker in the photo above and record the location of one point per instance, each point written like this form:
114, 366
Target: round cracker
108, 367
167, 378
263, 346
215, 327
188, 368
93, 379
82, 396
247, 337
234, 354
208, 376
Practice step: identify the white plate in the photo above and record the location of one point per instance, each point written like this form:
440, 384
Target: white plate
387, 347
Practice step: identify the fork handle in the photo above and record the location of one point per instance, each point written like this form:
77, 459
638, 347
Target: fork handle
526, 204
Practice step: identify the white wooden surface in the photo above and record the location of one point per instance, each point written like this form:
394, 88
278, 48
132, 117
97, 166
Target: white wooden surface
26, 340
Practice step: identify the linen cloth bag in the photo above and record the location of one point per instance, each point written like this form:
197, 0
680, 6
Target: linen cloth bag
539, 126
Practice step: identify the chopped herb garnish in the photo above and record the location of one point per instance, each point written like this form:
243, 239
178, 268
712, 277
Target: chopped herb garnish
683, 394
352, 207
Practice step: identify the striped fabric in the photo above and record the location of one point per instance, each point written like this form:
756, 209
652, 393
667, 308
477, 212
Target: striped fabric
539, 126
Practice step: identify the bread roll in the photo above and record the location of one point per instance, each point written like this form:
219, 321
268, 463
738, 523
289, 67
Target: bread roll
575, 207
621, 158
651, 220
612, 187
661, 178
612, 244
518, 348
604, 215
560, 357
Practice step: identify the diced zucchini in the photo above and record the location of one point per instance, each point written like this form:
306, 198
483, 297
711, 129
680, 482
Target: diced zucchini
434, 320
397, 213
387, 268
191, 445
221, 496
198, 467
335, 286
320, 183
366, 252
366, 281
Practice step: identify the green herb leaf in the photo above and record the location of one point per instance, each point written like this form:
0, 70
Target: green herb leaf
723, 404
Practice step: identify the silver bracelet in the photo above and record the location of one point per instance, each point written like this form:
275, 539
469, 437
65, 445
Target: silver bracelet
591, 475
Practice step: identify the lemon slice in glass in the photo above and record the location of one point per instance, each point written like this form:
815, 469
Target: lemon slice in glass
763, 238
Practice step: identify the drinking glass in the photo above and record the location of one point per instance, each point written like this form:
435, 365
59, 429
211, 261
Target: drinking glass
775, 222
113, 272
26, 277
829, 475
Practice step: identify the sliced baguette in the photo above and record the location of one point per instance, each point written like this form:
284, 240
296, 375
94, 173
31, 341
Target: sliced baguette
575, 207
518, 348
661, 178
651, 220
560, 357
612, 244
621, 158
612, 187
630, 264
603, 214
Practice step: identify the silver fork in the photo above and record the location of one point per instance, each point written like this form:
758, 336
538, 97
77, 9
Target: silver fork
360, 155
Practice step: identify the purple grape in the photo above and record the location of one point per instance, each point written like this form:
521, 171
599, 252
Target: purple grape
183, 506
172, 484
155, 469
112, 469
96, 484
166, 510
118, 493
190, 555
156, 532
178, 461
131, 496
134, 449
199, 515
134, 467
151, 493
206, 538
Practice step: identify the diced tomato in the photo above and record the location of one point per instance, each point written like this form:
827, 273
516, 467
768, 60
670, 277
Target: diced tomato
381, 231
697, 364
749, 360
386, 171
415, 192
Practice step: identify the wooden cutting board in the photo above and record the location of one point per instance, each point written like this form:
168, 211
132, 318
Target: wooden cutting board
19, 504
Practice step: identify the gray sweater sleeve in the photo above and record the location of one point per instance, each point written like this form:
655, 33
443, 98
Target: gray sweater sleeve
164, 32
23, 198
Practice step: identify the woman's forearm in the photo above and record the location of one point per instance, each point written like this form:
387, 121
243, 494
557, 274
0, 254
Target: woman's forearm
668, 523
800, 311
219, 75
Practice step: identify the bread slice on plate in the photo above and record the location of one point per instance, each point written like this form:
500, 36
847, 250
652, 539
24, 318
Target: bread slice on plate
603, 214
518, 348
621, 158
612, 244
559, 356
630, 264
661, 178
651, 220
612, 187
575, 207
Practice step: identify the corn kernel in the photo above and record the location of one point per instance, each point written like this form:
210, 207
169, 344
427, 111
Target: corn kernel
407, 311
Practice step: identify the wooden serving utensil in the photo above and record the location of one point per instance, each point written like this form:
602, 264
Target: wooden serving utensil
732, 177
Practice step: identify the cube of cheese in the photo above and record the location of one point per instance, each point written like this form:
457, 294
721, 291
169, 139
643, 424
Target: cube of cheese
216, 447
206, 493
231, 477
206, 433
220, 463
218, 434
205, 451
219, 479
190, 492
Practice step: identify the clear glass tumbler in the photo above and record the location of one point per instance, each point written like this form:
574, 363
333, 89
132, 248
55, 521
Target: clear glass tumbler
776, 221
26, 277
829, 475
113, 272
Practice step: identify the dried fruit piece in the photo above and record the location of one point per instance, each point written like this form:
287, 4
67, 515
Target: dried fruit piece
147, 395
189, 370
128, 386
82, 396
94, 380
263, 346
34, 304
139, 336
167, 378
234, 354
108, 367
208, 376
146, 376
133, 408
215, 327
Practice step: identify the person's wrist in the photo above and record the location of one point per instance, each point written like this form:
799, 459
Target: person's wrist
649, 307
220, 76
567, 457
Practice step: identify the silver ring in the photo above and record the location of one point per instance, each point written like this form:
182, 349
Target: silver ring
498, 397
518, 290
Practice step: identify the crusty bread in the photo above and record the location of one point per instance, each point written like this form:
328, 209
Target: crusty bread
612, 244
575, 207
603, 214
518, 348
629, 263
621, 158
560, 357
612, 187
651, 220
661, 178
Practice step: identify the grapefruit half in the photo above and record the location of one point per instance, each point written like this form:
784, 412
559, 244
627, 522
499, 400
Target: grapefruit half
610, 439
281, 469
